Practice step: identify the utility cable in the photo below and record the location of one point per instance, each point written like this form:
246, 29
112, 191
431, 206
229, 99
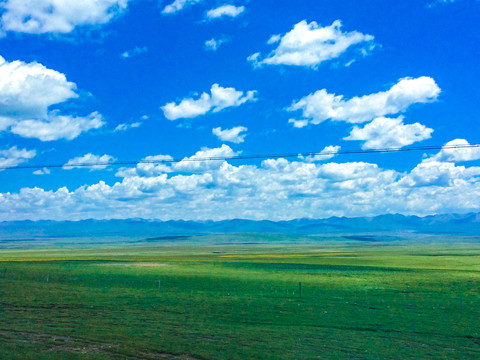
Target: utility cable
243, 157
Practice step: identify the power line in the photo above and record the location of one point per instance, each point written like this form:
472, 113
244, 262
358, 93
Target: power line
242, 157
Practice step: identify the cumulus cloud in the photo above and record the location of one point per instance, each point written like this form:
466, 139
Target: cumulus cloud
14, 156
44, 171
178, 5
385, 132
219, 98
309, 44
225, 10
276, 189
440, 171
124, 127
327, 153
205, 159
150, 166
133, 52
321, 105
82, 162
54, 16
213, 44
456, 151
55, 127
439, 174
27, 91
298, 123
232, 135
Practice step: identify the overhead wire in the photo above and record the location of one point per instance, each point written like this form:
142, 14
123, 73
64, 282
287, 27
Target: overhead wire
241, 157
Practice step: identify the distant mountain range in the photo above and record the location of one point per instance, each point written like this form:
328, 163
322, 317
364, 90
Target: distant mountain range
448, 224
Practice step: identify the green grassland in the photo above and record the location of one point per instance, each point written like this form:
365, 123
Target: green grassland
232, 299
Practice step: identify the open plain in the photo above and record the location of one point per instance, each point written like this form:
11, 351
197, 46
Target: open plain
238, 296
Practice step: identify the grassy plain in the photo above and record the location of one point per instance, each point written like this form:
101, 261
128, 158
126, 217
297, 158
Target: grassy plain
217, 300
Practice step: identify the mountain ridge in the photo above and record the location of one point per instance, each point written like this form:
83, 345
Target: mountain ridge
454, 224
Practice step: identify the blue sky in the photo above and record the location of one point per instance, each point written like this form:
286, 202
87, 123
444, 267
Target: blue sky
120, 80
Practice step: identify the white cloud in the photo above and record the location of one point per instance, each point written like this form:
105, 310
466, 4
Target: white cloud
385, 132
437, 2
178, 5
225, 10
350, 63
82, 162
205, 159
440, 169
27, 91
56, 127
133, 52
213, 44
44, 171
327, 153
5, 123
439, 174
321, 105
276, 189
232, 135
13, 156
309, 44
150, 166
463, 153
124, 127
298, 123
57, 16
219, 99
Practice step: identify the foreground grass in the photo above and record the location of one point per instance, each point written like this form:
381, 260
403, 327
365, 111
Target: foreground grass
373, 301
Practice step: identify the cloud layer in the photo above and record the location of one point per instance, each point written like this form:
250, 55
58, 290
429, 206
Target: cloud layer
309, 44
275, 189
219, 98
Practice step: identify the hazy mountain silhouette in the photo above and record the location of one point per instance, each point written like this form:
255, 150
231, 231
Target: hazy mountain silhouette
454, 224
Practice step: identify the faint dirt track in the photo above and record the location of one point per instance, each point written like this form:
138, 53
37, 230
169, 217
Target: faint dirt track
59, 343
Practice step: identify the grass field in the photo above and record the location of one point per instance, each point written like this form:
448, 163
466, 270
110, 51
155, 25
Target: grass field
360, 300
